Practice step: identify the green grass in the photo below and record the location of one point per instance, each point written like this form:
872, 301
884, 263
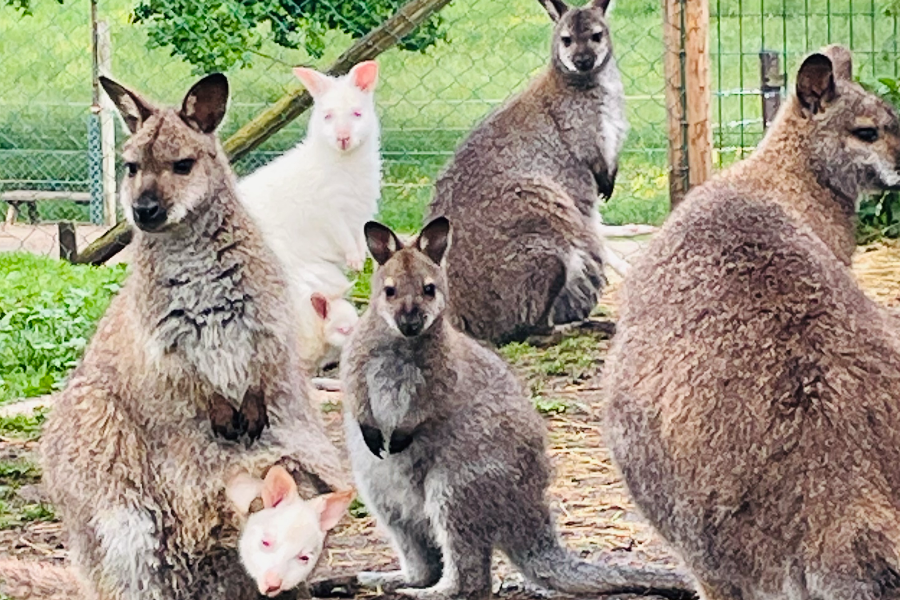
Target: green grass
48, 311
18, 469
23, 427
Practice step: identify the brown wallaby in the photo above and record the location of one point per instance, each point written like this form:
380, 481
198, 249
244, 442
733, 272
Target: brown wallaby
447, 451
754, 390
522, 190
202, 331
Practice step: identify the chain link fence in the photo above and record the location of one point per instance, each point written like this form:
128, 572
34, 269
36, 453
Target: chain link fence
472, 57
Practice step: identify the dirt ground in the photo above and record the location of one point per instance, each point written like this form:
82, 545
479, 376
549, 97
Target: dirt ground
594, 513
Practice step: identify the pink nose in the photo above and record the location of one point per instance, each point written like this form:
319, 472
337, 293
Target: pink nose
271, 584
344, 141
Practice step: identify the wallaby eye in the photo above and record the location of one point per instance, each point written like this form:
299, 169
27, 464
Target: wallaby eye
329, 116
357, 113
429, 290
132, 168
866, 134
567, 40
183, 167
389, 291
597, 36
303, 558
266, 543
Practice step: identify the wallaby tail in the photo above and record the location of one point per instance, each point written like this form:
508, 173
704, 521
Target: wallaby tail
549, 565
23, 580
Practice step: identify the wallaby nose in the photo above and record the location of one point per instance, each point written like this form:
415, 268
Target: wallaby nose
584, 61
271, 584
344, 141
148, 212
411, 322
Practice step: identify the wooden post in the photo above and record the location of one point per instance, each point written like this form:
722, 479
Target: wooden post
68, 245
772, 80
698, 90
676, 124
107, 126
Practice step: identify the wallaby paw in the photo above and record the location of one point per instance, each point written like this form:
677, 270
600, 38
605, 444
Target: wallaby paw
223, 418
253, 413
389, 580
356, 261
439, 591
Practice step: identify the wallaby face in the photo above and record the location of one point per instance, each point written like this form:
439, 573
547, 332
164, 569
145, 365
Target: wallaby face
281, 544
344, 111
856, 133
409, 289
338, 316
581, 43
171, 165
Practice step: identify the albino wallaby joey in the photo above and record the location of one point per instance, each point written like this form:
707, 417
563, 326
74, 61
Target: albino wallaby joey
522, 190
446, 450
202, 327
282, 543
754, 402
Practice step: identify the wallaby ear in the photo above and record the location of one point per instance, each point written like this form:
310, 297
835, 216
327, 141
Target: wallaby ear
365, 75
841, 61
205, 104
555, 8
134, 109
382, 241
435, 239
242, 490
320, 304
315, 83
601, 4
815, 83
332, 507
278, 487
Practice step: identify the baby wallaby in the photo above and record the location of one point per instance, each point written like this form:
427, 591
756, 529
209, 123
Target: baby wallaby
522, 190
193, 373
331, 320
281, 544
447, 452
754, 406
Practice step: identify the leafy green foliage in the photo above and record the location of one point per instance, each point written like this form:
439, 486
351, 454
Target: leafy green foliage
48, 311
27, 427
221, 34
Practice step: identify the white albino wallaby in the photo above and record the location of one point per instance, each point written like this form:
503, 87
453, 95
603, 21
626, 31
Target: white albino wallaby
312, 201
281, 544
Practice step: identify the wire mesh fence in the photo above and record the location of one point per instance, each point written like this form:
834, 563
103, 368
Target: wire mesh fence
447, 76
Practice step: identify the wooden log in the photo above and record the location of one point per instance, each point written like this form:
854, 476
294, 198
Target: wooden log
291, 105
698, 90
106, 246
676, 125
772, 80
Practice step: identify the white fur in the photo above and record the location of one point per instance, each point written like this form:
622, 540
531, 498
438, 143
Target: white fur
128, 540
311, 204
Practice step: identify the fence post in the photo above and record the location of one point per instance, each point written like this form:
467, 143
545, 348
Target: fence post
772, 80
107, 126
95, 150
673, 40
698, 90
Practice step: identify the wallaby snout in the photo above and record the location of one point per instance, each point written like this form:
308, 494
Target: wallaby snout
410, 321
149, 213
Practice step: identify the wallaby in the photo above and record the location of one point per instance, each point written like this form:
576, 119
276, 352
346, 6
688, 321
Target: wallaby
281, 544
446, 450
312, 201
325, 325
754, 407
522, 190
201, 332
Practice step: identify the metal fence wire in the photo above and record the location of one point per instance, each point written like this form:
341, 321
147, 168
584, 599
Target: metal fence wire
446, 77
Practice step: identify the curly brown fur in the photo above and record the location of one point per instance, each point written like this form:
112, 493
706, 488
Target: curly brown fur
754, 400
